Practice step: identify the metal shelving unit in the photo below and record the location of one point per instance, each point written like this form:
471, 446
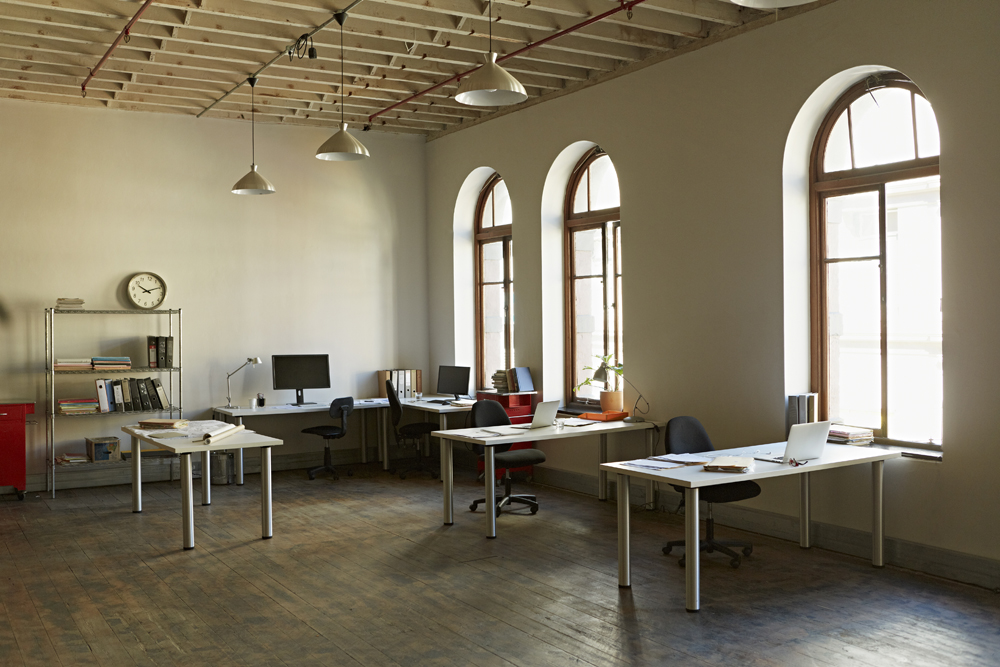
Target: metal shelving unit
51, 374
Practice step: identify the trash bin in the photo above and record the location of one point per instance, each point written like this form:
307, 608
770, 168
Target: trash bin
223, 468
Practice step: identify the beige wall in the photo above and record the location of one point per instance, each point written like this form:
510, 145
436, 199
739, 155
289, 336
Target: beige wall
699, 143
334, 262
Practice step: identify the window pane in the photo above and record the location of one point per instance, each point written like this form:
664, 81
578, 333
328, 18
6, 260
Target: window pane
488, 212
854, 321
588, 253
838, 147
589, 325
883, 133
603, 184
852, 225
913, 266
928, 139
580, 204
492, 262
501, 197
493, 325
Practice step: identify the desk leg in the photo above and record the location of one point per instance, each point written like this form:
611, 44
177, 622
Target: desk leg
878, 516
602, 475
804, 511
650, 484
187, 502
490, 471
448, 478
385, 439
266, 531
443, 426
238, 458
692, 555
206, 479
364, 436
624, 528
136, 475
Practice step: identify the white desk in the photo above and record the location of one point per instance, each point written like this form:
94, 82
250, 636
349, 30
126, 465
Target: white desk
185, 448
512, 435
691, 478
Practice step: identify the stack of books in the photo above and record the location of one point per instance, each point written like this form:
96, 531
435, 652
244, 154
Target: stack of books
72, 458
515, 380
730, 464
112, 363
500, 382
69, 304
78, 406
72, 365
850, 435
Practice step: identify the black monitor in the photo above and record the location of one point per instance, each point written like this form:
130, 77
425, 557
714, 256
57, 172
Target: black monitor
453, 380
300, 371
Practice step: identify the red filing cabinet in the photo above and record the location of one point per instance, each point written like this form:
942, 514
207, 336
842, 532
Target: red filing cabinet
12, 444
518, 408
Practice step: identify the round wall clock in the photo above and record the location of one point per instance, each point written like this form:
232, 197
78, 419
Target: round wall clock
146, 290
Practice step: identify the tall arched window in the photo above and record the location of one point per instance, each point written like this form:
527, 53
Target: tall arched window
593, 272
494, 282
876, 262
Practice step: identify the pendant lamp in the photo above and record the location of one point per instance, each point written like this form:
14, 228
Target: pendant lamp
490, 85
771, 4
342, 146
253, 183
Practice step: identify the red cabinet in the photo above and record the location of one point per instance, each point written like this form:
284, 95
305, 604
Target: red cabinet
518, 408
12, 444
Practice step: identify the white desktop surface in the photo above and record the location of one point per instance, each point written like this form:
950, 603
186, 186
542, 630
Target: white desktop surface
512, 435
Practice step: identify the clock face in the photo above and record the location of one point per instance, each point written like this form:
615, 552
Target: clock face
146, 290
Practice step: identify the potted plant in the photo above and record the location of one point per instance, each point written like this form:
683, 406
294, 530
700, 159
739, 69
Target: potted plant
612, 400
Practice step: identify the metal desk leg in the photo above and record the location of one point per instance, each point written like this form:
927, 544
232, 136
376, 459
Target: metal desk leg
491, 494
385, 439
443, 426
804, 511
602, 475
448, 478
650, 484
364, 436
692, 555
266, 531
136, 476
206, 479
238, 458
187, 502
624, 527
878, 516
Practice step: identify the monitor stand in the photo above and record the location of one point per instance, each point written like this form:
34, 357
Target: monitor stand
300, 398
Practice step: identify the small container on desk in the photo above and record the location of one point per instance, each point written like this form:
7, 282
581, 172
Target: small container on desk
518, 408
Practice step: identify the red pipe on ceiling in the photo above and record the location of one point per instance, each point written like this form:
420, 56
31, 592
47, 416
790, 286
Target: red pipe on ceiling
624, 6
122, 35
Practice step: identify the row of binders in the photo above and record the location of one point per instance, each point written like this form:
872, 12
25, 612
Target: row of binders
161, 351
407, 382
513, 380
131, 395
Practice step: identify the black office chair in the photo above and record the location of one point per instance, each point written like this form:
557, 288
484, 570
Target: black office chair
410, 434
686, 435
490, 413
341, 407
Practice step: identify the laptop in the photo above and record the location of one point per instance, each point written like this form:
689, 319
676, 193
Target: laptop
545, 414
805, 442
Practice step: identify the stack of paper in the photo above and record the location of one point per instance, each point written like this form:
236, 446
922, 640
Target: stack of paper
79, 406
69, 304
685, 459
730, 464
72, 364
463, 403
651, 464
112, 363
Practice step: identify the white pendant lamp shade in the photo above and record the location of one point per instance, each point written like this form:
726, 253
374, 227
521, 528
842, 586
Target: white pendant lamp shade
342, 147
253, 184
770, 4
490, 86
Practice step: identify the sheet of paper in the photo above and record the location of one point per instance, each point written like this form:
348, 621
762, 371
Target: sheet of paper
686, 459
576, 421
650, 464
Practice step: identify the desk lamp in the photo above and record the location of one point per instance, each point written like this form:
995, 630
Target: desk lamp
601, 375
253, 361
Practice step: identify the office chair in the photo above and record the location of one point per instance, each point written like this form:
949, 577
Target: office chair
686, 435
490, 413
410, 434
341, 407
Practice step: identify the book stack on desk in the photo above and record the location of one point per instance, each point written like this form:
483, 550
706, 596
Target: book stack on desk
730, 464
850, 435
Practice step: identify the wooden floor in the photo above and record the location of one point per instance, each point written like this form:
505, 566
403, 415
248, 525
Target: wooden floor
361, 572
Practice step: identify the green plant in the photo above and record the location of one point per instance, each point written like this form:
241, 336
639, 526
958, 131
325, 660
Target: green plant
617, 369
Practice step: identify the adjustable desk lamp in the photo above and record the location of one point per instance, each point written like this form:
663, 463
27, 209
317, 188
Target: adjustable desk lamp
601, 375
253, 361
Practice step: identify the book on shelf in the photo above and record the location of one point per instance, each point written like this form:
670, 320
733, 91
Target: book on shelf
72, 364
143, 395
169, 358
513, 380
161, 394
119, 397
78, 406
151, 351
72, 458
133, 388
102, 395
154, 400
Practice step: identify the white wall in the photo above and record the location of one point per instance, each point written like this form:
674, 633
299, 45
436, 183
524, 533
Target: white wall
699, 143
334, 262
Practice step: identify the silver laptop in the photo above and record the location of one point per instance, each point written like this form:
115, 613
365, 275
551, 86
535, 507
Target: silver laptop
805, 442
545, 414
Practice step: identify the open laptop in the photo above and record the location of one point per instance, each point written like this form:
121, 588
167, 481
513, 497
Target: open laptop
545, 414
805, 442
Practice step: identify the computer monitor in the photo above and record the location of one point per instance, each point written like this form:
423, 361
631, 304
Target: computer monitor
453, 380
300, 371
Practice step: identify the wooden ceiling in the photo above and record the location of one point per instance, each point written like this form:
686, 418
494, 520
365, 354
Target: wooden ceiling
182, 56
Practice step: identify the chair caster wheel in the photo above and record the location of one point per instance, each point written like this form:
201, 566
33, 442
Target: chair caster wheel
681, 562
20, 495
534, 510
312, 476
734, 563
667, 550
472, 507
747, 551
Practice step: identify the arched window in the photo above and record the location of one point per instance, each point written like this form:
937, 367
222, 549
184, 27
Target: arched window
593, 272
876, 262
494, 282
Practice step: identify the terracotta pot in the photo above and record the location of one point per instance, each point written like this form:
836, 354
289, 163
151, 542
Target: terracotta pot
612, 401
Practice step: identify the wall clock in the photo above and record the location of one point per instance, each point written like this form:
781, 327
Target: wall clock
146, 290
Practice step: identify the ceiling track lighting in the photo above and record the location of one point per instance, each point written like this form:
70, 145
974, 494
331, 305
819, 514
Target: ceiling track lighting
490, 85
342, 146
253, 183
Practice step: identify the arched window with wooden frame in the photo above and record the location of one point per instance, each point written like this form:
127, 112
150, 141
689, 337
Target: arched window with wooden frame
875, 237
593, 267
494, 282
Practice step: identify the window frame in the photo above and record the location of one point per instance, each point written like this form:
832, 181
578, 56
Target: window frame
608, 220
823, 185
503, 233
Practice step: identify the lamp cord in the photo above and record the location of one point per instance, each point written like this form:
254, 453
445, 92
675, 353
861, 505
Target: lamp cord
491, 26
253, 134
341, 73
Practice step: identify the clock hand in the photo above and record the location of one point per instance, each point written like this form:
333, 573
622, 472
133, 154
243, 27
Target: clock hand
143, 288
